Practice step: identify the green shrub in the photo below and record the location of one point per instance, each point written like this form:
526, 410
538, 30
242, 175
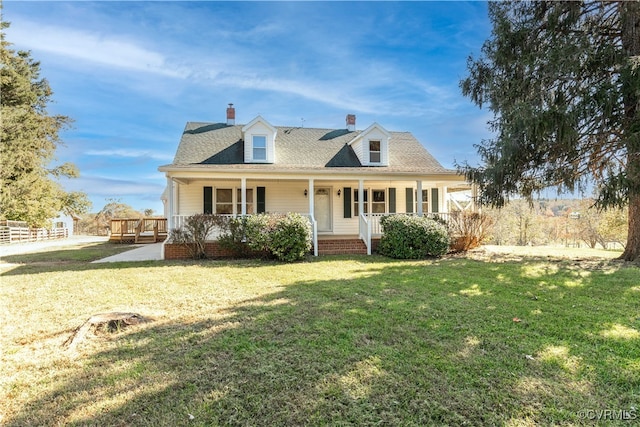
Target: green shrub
285, 237
257, 229
290, 239
233, 237
412, 237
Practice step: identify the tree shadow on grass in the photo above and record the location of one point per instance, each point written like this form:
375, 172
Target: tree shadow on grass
433, 343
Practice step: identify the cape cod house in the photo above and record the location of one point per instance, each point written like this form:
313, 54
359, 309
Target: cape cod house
344, 180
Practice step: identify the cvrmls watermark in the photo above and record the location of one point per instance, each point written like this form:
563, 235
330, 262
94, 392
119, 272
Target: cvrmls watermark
608, 414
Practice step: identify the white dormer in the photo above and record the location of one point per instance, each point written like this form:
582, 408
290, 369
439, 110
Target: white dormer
372, 146
259, 141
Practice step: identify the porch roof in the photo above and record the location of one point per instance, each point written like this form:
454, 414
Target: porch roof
219, 147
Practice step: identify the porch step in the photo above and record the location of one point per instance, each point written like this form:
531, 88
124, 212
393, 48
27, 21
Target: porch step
341, 247
143, 238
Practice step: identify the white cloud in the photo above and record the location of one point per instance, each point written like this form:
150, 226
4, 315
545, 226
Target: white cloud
111, 187
107, 50
130, 153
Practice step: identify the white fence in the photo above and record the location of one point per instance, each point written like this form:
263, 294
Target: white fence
18, 231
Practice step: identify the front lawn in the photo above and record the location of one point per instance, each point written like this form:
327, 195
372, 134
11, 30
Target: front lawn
333, 341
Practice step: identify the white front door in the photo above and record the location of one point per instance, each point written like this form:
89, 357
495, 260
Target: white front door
322, 208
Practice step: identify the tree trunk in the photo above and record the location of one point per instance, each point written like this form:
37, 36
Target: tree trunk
630, 17
632, 249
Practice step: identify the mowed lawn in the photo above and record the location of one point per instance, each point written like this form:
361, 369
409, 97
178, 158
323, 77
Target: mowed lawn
333, 341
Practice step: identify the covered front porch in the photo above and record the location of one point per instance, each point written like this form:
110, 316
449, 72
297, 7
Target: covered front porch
340, 208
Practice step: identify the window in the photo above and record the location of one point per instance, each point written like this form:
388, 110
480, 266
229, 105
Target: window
374, 151
425, 201
378, 204
224, 201
208, 201
249, 201
259, 147
355, 202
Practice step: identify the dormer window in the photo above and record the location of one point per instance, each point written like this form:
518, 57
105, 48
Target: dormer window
374, 152
259, 141
259, 148
372, 146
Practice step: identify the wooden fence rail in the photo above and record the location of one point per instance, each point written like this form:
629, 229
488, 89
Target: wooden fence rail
18, 231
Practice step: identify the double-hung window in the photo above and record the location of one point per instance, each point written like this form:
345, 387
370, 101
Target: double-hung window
374, 152
249, 201
259, 148
424, 197
224, 201
378, 204
364, 202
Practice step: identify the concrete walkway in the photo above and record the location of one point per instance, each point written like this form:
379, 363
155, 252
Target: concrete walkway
147, 252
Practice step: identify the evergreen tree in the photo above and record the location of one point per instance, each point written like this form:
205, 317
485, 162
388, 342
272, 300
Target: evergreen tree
28, 141
563, 82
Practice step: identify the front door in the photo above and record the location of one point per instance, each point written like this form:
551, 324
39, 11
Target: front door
322, 208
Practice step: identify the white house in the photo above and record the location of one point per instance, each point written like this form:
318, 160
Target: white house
343, 179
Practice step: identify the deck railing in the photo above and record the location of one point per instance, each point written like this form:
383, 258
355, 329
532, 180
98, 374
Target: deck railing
131, 229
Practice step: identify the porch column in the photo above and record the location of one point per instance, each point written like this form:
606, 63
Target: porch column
312, 214
444, 207
243, 196
171, 203
419, 198
310, 195
361, 196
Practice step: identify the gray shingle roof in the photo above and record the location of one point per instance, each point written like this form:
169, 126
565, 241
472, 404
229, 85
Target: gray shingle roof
217, 145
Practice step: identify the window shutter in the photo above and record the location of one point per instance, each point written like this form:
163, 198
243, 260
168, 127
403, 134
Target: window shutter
392, 200
262, 202
346, 200
434, 200
409, 199
208, 200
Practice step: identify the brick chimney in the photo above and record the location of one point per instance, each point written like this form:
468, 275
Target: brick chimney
351, 122
231, 115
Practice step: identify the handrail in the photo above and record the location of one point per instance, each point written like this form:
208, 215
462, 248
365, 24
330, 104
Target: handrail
314, 237
138, 229
365, 231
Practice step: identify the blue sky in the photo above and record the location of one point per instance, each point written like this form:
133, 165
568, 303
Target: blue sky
131, 74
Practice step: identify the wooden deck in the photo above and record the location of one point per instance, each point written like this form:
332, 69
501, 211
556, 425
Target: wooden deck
138, 230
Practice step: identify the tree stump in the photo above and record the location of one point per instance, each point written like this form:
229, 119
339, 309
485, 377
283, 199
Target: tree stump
109, 322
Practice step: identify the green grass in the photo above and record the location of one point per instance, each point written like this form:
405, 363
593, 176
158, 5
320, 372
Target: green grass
332, 341
74, 253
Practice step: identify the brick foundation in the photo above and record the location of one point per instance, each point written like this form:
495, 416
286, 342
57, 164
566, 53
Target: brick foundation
212, 249
325, 247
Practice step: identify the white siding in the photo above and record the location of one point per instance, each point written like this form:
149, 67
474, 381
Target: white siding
286, 196
259, 128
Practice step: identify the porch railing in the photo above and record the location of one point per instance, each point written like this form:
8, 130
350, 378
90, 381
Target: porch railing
365, 230
376, 228
369, 225
314, 235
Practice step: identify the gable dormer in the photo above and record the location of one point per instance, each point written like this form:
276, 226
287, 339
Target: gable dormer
259, 141
372, 146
